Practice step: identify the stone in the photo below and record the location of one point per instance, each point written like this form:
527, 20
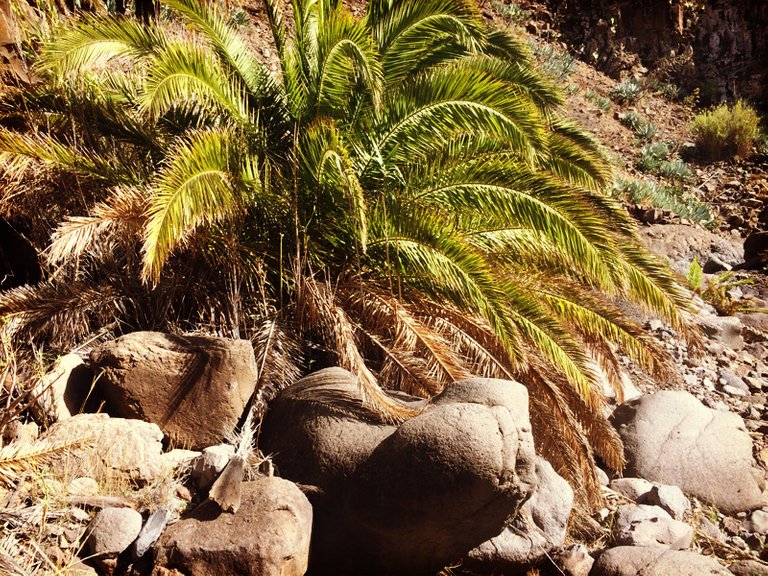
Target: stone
680, 244
672, 438
602, 477
115, 447
669, 498
405, 499
538, 529
756, 251
21, 433
83, 486
269, 535
207, 467
758, 522
178, 459
710, 530
748, 568
643, 525
112, 530
655, 561
64, 390
632, 488
575, 561
194, 387
725, 329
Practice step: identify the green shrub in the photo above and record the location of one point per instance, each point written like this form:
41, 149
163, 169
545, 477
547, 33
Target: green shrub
641, 127
656, 159
672, 198
603, 103
695, 276
626, 91
556, 63
512, 13
725, 132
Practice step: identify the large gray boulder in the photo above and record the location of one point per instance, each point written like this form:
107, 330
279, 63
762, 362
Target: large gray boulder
111, 448
269, 535
533, 533
194, 387
655, 561
672, 438
643, 525
406, 499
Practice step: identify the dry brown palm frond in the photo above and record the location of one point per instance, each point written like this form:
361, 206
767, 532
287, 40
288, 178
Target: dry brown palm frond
63, 311
121, 216
17, 459
279, 357
412, 344
319, 311
17, 559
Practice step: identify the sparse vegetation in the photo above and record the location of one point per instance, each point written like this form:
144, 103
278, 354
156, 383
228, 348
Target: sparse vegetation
672, 198
603, 103
643, 129
656, 158
555, 62
512, 12
626, 91
726, 131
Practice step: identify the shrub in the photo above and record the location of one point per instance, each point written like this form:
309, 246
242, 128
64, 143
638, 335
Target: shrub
556, 63
655, 158
725, 132
672, 198
641, 127
626, 91
603, 103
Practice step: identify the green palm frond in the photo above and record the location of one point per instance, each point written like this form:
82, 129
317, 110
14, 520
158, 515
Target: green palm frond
452, 101
197, 186
407, 32
185, 76
94, 41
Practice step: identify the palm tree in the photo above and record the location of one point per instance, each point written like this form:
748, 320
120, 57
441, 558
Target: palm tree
406, 198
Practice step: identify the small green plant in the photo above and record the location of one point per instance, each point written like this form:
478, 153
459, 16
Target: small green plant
643, 129
695, 277
672, 198
556, 63
626, 91
725, 132
718, 294
603, 103
512, 13
656, 158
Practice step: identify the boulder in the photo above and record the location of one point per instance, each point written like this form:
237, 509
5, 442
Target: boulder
669, 498
112, 447
758, 522
538, 529
748, 568
756, 250
111, 531
655, 561
575, 561
64, 390
406, 499
724, 329
207, 466
680, 244
672, 438
269, 535
194, 387
632, 488
643, 525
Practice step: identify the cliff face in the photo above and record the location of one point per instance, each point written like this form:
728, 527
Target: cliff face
719, 46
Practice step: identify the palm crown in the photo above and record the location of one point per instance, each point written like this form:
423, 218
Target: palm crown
405, 196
